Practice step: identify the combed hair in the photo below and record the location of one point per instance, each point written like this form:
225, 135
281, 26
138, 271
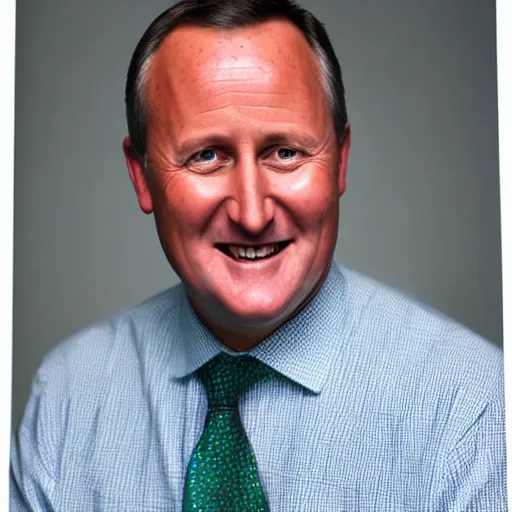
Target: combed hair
229, 14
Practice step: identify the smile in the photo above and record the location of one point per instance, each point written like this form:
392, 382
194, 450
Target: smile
252, 252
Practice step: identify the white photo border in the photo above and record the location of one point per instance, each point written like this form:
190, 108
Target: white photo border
7, 47
504, 58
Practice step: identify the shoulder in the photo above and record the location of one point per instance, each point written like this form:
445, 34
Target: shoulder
424, 350
89, 359
413, 326
84, 384
431, 375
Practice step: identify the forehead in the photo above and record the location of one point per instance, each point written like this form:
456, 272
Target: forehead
271, 41
195, 65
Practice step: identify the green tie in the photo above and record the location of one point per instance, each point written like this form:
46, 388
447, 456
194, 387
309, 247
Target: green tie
222, 473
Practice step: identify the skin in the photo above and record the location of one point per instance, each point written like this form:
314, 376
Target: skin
241, 150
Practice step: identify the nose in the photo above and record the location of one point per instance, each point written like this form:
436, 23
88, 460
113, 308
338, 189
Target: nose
250, 205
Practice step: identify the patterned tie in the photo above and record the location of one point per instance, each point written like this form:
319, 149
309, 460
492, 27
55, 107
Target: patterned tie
222, 473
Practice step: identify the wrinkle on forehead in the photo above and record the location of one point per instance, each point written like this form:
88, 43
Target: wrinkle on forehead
254, 53
227, 105
203, 70
246, 67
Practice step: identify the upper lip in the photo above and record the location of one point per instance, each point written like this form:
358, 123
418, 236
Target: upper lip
240, 243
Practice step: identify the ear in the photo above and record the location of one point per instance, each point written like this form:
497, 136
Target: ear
138, 176
343, 161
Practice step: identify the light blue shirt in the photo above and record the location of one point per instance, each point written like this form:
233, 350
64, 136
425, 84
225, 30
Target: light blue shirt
387, 407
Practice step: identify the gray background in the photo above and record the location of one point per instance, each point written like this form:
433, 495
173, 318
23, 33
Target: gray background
421, 210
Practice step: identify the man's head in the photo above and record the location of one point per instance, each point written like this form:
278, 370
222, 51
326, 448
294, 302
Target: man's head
239, 144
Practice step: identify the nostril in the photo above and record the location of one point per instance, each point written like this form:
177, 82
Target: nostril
251, 213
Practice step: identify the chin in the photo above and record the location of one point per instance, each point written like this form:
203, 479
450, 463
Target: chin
260, 310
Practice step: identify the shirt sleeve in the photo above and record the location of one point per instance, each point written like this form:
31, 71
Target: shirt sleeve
474, 476
35, 449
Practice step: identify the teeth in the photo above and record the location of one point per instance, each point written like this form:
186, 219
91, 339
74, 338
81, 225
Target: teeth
252, 252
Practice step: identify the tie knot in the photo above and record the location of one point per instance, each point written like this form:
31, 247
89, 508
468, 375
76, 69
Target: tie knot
226, 378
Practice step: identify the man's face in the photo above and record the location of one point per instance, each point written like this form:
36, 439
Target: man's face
244, 172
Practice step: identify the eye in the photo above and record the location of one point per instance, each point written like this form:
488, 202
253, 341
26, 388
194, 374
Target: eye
207, 160
285, 158
207, 155
286, 153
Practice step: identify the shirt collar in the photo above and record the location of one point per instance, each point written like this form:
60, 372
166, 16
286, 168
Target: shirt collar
301, 349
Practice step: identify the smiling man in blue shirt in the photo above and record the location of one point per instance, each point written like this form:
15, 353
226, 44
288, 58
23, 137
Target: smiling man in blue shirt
270, 378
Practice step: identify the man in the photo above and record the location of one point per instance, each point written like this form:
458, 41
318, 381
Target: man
271, 378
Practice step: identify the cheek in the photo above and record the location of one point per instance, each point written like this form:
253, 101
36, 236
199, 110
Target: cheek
311, 194
186, 204
185, 200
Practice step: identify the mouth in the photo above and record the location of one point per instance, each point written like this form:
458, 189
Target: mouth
252, 252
